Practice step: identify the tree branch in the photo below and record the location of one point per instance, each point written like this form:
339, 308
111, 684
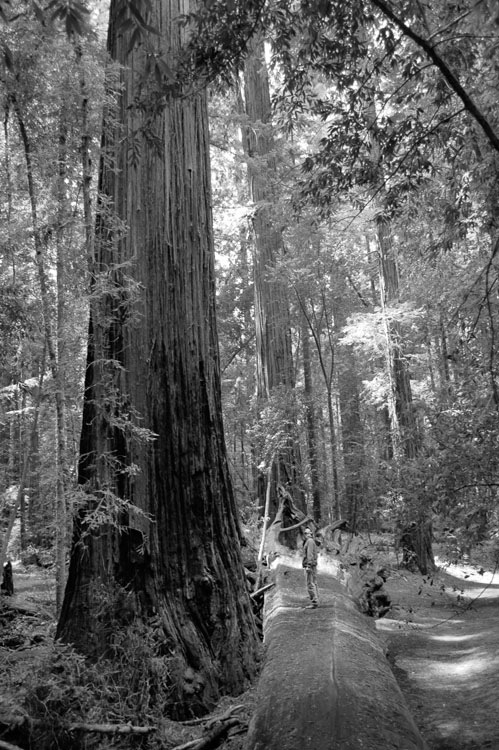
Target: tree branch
455, 21
212, 739
235, 353
8, 746
447, 73
261, 590
474, 485
305, 520
357, 291
208, 723
110, 728
403, 158
121, 729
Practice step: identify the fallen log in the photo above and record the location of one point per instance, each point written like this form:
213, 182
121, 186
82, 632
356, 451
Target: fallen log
325, 682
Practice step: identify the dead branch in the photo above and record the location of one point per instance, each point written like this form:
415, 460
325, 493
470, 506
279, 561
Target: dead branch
212, 739
209, 722
218, 726
332, 527
13, 721
187, 745
305, 520
110, 728
225, 716
25, 609
261, 590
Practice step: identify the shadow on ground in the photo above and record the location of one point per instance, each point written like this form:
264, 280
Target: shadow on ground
443, 644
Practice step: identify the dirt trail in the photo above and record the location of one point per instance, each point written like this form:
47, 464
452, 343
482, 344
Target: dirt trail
443, 642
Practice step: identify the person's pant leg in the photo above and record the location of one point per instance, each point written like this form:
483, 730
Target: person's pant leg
312, 584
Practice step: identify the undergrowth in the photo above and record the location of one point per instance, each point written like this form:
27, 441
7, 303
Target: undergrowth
56, 687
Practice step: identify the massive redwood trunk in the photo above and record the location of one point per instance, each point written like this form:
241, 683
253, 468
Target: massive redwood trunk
274, 369
152, 426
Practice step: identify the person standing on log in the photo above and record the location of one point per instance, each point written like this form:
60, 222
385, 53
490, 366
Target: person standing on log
310, 565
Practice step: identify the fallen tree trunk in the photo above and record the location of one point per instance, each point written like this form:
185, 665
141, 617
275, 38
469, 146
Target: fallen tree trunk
326, 682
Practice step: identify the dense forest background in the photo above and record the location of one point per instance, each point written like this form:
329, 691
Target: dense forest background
354, 182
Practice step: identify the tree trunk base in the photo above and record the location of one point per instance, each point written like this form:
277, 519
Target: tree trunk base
415, 541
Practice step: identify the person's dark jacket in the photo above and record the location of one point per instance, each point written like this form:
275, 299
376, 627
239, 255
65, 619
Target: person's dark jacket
309, 553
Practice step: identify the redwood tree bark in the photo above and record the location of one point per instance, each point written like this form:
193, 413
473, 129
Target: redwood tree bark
274, 358
353, 438
311, 422
405, 436
403, 419
152, 423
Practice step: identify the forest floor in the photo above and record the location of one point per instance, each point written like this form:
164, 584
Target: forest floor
442, 636
442, 640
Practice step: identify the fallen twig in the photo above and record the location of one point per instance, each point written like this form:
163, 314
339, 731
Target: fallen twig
212, 739
223, 717
261, 590
19, 721
295, 526
209, 722
110, 728
187, 745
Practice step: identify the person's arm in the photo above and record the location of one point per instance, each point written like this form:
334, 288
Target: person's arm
307, 556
